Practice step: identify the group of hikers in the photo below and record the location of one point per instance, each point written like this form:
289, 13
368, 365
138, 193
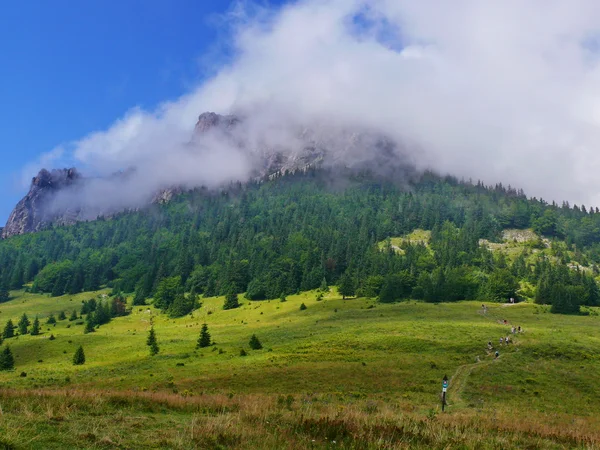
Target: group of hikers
503, 340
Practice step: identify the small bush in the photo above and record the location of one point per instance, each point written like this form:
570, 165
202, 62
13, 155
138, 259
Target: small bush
254, 343
243, 352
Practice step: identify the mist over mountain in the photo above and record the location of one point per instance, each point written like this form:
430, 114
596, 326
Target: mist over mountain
221, 150
477, 91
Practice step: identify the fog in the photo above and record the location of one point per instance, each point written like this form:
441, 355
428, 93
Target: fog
499, 91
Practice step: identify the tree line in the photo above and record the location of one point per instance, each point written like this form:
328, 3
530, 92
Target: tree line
301, 231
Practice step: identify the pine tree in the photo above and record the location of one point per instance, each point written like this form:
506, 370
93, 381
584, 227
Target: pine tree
204, 339
139, 297
102, 314
4, 293
255, 343
180, 306
324, 287
79, 357
23, 324
9, 330
90, 323
7, 361
346, 286
302, 307
35, 329
51, 320
151, 342
73, 316
62, 315
231, 301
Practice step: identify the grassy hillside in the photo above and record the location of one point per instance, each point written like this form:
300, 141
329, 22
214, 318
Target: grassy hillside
364, 374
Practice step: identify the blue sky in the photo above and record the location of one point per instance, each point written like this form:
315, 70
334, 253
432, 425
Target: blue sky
72, 67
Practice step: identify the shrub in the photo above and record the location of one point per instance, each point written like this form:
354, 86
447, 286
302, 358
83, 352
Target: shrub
255, 343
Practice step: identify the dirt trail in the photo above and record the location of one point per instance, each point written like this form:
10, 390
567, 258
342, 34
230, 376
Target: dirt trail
458, 380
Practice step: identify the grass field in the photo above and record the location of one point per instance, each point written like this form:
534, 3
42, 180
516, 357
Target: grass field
363, 374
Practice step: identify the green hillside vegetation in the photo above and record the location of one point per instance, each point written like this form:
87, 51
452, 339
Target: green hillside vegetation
253, 239
359, 311
340, 365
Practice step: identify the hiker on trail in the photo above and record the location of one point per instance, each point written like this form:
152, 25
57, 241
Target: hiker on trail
501, 341
512, 330
519, 328
507, 340
505, 322
497, 354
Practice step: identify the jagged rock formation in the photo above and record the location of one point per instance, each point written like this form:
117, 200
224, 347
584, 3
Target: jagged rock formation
64, 197
32, 213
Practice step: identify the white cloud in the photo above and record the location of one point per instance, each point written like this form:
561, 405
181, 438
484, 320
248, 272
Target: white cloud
499, 90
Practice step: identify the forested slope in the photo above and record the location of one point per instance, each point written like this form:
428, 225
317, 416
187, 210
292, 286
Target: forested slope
299, 231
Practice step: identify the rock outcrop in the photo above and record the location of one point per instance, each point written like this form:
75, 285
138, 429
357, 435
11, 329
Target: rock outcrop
64, 197
33, 213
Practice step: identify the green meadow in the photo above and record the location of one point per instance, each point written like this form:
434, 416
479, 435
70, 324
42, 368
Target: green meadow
364, 374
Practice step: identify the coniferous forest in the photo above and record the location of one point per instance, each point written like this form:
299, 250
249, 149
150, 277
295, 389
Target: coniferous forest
307, 230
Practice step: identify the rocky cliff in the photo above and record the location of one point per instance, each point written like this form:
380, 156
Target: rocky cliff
63, 196
32, 213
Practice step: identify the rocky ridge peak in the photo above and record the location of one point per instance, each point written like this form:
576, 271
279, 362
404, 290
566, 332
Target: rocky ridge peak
31, 213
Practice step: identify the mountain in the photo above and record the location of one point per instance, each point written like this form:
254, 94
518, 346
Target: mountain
64, 196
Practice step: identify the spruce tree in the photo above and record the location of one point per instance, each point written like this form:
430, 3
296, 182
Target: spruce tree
151, 342
282, 298
255, 343
231, 301
7, 361
180, 306
4, 293
90, 323
51, 320
139, 297
9, 330
79, 357
204, 339
324, 287
302, 307
23, 324
346, 286
35, 329
62, 315
73, 316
